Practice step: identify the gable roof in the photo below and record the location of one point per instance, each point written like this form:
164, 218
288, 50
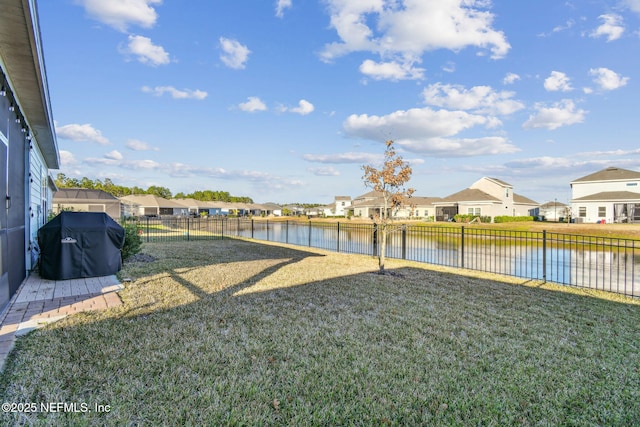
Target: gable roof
610, 196
610, 174
83, 194
469, 195
517, 198
150, 200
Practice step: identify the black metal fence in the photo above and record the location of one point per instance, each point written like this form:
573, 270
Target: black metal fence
584, 261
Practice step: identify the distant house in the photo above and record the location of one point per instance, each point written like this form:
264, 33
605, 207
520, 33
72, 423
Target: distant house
200, 207
609, 195
552, 211
28, 145
369, 204
294, 209
86, 200
150, 205
486, 197
340, 207
271, 209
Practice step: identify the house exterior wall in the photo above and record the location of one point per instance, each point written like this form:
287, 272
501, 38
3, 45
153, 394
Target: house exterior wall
583, 189
592, 211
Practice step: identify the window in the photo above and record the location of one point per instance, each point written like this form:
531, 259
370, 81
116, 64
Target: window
582, 212
602, 211
506, 192
474, 211
632, 184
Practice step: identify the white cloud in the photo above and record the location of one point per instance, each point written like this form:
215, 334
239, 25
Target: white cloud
175, 93
558, 81
611, 27
410, 28
67, 158
561, 113
120, 14
391, 70
480, 99
146, 52
423, 130
253, 104
607, 79
324, 171
137, 145
114, 155
235, 54
85, 132
281, 5
304, 107
344, 158
510, 78
634, 5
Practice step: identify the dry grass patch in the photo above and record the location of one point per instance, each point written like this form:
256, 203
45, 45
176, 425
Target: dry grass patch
234, 332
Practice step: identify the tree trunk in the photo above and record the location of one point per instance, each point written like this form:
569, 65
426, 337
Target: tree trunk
383, 249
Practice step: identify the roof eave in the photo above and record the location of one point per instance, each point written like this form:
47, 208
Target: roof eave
22, 57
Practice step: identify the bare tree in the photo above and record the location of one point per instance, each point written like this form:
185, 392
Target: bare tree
390, 182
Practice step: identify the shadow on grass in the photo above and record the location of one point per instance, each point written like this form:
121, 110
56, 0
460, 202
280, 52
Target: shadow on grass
265, 334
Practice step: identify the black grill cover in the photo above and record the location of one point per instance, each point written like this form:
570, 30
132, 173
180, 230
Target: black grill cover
80, 244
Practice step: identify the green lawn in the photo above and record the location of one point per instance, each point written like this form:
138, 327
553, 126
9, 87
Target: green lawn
233, 332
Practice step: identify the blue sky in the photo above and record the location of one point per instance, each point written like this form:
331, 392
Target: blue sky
284, 100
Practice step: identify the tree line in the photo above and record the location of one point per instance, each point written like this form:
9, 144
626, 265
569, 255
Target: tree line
108, 186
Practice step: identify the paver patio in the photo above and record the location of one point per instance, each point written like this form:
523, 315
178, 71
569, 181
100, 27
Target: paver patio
40, 301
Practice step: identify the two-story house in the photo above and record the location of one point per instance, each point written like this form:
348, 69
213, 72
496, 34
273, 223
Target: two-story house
486, 197
609, 195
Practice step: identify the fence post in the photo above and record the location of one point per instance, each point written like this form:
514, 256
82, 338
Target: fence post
462, 247
267, 230
404, 241
188, 229
252, 228
222, 221
148, 230
238, 227
287, 231
375, 240
338, 239
544, 255
309, 233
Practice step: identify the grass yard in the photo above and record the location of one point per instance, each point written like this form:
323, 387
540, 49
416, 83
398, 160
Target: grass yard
233, 332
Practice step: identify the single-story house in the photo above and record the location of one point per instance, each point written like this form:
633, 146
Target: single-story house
609, 195
86, 200
28, 145
150, 205
271, 209
486, 197
552, 211
369, 204
200, 207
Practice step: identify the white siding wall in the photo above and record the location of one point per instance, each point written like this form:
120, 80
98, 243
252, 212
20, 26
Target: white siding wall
582, 189
39, 198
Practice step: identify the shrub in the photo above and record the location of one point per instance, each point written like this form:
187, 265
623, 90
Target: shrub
132, 241
506, 218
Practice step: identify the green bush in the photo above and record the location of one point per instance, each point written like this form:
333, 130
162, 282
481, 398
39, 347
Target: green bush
132, 241
506, 218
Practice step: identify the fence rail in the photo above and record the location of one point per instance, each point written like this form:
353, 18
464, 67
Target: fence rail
608, 264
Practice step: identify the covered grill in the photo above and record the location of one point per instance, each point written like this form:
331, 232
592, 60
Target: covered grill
80, 244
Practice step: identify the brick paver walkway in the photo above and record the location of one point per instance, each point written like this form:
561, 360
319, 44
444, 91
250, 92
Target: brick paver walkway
40, 301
